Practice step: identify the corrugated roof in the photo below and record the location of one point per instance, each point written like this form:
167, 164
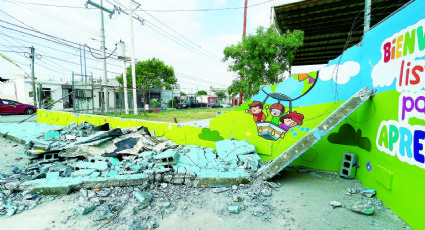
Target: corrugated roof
327, 25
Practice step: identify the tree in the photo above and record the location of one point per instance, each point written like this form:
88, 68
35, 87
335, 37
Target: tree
182, 94
201, 92
266, 55
152, 72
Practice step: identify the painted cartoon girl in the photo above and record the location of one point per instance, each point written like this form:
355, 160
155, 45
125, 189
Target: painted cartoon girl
291, 120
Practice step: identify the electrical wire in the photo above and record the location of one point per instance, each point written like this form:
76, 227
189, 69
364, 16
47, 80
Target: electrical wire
203, 10
198, 79
168, 35
60, 41
182, 36
106, 57
49, 47
41, 4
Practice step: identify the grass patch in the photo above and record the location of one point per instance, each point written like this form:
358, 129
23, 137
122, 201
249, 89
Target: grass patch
180, 115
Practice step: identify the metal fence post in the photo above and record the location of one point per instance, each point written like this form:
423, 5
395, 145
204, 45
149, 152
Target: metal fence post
92, 92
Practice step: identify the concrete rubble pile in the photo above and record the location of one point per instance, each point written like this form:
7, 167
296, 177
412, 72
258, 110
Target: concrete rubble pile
124, 163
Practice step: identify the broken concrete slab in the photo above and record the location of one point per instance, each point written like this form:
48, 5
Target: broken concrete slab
210, 178
230, 149
26, 132
99, 137
82, 172
65, 185
99, 165
52, 175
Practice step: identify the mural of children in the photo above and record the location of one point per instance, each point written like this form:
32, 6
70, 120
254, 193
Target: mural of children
257, 111
291, 120
276, 111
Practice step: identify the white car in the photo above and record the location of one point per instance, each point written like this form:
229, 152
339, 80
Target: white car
226, 105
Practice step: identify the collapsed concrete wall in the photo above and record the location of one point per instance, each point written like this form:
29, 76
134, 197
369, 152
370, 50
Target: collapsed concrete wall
85, 156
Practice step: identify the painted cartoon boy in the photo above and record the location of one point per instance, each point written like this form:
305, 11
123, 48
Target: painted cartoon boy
257, 111
290, 120
276, 111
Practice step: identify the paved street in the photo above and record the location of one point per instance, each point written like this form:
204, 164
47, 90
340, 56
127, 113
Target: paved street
16, 118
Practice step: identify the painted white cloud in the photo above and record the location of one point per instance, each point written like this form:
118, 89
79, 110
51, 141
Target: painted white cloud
341, 74
384, 73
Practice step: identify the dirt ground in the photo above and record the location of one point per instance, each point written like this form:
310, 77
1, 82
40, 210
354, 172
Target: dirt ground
302, 201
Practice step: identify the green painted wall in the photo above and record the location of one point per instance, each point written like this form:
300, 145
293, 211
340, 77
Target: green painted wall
400, 185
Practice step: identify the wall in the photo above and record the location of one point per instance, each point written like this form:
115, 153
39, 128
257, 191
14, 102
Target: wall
7, 91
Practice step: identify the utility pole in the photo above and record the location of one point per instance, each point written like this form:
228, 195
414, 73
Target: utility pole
367, 15
133, 67
243, 38
124, 74
85, 65
102, 31
32, 75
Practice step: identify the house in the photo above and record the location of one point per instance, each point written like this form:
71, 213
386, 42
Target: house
88, 96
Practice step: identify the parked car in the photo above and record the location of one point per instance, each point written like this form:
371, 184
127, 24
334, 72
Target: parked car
226, 105
214, 105
190, 104
14, 107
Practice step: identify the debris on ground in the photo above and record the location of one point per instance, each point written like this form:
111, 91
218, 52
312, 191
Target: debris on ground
335, 204
363, 208
109, 167
118, 173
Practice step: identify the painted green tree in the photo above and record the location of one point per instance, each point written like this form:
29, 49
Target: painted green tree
261, 58
152, 72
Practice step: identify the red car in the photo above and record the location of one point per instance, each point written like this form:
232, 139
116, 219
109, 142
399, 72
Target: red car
14, 107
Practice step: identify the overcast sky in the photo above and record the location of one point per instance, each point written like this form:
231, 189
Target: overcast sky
188, 35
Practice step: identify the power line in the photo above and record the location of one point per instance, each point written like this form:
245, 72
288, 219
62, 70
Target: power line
198, 79
151, 10
41, 4
214, 9
16, 19
70, 62
208, 53
64, 41
63, 51
167, 34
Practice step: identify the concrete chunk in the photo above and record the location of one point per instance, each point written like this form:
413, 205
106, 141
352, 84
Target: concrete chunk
51, 135
83, 207
143, 197
233, 209
99, 165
